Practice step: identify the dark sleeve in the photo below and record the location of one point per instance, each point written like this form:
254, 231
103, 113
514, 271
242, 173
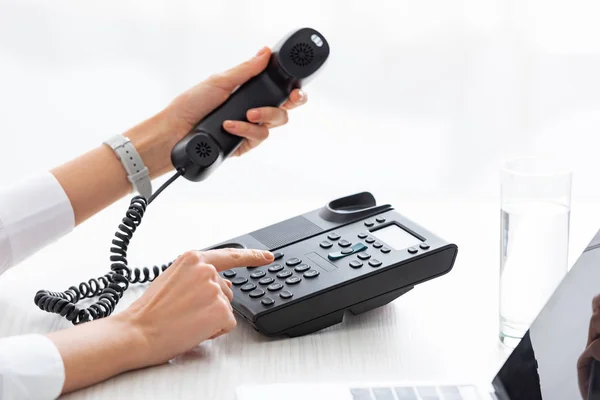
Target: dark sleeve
518, 377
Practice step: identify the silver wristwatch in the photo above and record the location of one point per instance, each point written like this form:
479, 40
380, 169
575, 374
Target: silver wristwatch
137, 172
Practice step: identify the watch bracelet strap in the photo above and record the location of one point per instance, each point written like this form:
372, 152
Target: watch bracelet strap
137, 172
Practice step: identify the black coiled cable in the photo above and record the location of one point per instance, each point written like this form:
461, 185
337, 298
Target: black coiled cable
111, 286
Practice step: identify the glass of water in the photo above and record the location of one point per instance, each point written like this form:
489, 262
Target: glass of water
536, 201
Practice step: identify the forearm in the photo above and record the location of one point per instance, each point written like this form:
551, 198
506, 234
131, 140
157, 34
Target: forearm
97, 178
95, 351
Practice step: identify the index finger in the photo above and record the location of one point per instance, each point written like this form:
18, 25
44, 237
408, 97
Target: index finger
228, 258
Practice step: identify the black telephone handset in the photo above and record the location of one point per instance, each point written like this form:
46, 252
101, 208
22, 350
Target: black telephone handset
294, 61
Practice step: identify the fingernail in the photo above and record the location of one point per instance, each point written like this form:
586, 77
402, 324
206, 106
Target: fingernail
254, 114
262, 51
268, 256
229, 124
301, 95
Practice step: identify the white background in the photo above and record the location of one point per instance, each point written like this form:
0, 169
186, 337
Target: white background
419, 98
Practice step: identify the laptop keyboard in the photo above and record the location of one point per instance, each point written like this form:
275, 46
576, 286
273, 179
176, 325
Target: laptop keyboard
416, 393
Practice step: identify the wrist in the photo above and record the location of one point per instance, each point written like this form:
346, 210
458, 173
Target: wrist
154, 139
134, 348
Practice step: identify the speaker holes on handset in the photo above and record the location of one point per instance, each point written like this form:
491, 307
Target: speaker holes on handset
203, 149
302, 54
316, 40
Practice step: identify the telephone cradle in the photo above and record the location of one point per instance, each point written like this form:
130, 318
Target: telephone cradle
350, 255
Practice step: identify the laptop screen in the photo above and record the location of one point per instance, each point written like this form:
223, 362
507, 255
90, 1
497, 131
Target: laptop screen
551, 361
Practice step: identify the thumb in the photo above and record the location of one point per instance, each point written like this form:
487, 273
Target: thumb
223, 259
232, 78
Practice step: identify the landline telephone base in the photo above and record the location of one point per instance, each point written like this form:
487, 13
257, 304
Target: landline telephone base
351, 255
337, 317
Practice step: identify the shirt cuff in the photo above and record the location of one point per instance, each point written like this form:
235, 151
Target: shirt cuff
33, 214
30, 368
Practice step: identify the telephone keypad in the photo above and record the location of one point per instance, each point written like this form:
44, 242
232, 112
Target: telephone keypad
267, 301
257, 293
248, 287
266, 280
275, 268
302, 268
284, 274
257, 274
292, 262
374, 263
313, 273
275, 287
240, 280
293, 280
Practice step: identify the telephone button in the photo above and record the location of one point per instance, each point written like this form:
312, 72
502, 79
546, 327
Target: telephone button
362, 235
375, 263
257, 274
424, 246
347, 251
285, 295
248, 287
266, 280
333, 236
313, 273
356, 264
292, 262
293, 280
325, 244
369, 223
369, 240
345, 243
284, 274
380, 220
277, 255
267, 301
240, 280
385, 250
302, 268
229, 274
275, 268
275, 287
377, 245
412, 250
364, 256
257, 293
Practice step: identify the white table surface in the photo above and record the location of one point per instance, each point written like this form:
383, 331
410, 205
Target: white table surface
443, 329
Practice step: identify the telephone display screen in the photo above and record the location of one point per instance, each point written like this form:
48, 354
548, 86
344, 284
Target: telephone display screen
396, 237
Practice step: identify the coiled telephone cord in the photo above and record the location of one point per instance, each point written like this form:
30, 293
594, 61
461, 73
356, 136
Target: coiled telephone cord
110, 287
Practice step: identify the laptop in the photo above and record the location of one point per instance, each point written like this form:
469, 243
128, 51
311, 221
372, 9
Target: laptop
548, 363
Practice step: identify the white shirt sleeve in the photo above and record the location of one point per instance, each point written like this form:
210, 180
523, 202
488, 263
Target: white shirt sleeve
30, 368
33, 214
